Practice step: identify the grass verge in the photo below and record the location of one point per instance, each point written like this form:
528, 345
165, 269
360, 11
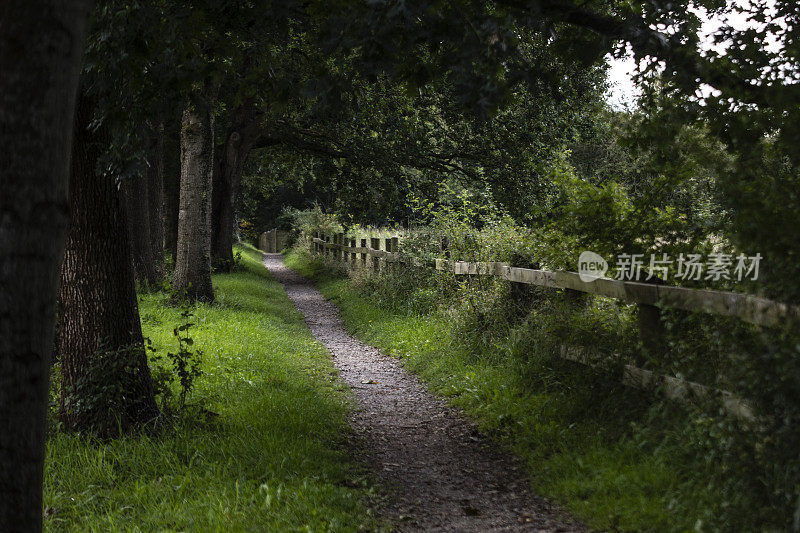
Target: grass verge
272, 458
582, 439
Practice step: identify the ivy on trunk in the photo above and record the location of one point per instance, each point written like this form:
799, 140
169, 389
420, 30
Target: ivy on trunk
106, 384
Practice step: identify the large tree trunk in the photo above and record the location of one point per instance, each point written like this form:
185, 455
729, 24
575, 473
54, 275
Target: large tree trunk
193, 259
41, 45
136, 203
105, 379
241, 136
172, 185
155, 191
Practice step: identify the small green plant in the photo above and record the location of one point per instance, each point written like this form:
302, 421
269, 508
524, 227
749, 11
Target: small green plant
185, 362
185, 365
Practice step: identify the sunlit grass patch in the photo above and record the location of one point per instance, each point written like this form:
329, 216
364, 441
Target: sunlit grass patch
267, 452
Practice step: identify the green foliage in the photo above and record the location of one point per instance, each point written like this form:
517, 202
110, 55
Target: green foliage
765, 204
185, 362
270, 453
388, 145
315, 219
496, 348
185, 365
481, 125
248, 232
573, 430
102, 394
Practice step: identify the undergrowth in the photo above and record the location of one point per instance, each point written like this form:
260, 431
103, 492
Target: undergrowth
618, 458
266, 452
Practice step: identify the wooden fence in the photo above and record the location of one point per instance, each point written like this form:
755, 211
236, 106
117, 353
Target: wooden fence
272, 241
650, 298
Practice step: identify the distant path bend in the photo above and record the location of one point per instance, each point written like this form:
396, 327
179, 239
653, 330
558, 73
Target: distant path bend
441, 473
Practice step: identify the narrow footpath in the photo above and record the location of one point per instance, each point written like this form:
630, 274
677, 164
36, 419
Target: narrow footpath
441, 474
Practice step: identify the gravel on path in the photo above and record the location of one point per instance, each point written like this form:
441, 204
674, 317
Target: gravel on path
440, 472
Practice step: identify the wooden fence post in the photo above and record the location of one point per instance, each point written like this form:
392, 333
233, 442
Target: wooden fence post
335, 249
651, 329
273, 240
364, 254
353, 254
387, 245
375, 244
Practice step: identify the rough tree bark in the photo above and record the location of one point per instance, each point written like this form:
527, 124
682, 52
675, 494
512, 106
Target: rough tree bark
98, 310
41, 46
172, 183
155, 192
239, 140
136, 206
193, 258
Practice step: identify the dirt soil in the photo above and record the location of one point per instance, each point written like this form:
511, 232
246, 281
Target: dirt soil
440, 473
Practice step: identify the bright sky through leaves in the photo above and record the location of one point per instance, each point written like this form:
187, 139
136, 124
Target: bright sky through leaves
623, 91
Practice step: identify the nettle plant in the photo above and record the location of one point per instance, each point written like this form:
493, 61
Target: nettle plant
180, 368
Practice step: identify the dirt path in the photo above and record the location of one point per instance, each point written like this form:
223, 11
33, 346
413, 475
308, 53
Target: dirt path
442, 474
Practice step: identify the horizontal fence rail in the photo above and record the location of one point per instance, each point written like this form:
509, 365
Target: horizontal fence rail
649, 297
746, 307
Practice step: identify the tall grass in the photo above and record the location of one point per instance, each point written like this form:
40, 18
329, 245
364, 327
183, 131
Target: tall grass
618, 458
268, 452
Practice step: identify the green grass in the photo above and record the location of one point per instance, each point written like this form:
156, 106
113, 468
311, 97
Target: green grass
577, 435
274, 459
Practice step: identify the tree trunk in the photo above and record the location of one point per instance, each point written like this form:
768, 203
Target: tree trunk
172, 184
105, 379
155, 191
136, 206
193, 259
241, 136
41, 46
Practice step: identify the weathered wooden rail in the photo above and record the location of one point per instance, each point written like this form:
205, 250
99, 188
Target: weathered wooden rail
649, 297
